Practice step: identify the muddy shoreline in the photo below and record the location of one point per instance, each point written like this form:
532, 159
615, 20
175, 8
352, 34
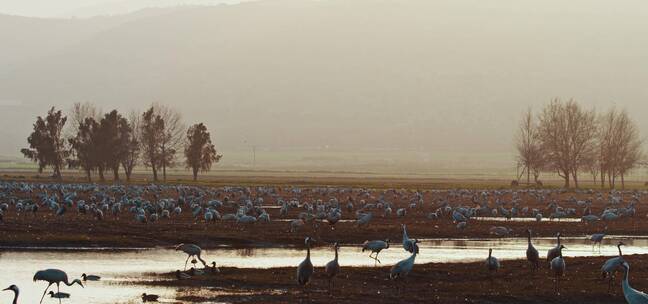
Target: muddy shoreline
79, 231
428, 283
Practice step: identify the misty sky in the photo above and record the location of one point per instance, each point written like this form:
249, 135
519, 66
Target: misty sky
443, 78
89, 8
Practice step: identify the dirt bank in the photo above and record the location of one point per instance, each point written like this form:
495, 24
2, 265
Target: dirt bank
428, 283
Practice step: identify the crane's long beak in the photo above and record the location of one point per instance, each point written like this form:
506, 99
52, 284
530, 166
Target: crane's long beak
6, 289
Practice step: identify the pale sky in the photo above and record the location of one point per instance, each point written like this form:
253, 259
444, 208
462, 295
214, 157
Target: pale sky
89, 8
442, 77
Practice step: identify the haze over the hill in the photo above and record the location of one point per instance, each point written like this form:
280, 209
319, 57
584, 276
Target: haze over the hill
422, 75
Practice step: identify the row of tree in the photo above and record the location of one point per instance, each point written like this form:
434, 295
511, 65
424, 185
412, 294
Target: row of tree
95, 142
568, 139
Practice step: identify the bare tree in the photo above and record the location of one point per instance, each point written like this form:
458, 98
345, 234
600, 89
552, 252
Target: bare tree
133, 148
172, 138
529, 148
605, 146
78, 113
618, 147
627, 146
152, 128
566, 132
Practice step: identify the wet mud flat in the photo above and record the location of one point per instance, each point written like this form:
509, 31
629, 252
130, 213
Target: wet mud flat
428, 283
48, 230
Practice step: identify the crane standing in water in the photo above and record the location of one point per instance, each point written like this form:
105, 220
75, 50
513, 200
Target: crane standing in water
54, 276
191, 250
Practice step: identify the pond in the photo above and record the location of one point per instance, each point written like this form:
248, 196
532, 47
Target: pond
118, 266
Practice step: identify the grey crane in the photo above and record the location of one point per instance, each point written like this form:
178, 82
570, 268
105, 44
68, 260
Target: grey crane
192, 250
610, 266
376, 247
631, 295
16, 292
54, 276
558, 267
597, 238
401, 270
305, 269
408, 244
333, 268
492, 265
553, 252
532, 253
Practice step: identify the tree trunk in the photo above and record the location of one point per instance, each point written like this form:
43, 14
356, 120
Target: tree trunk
127, 171
89, 176
575, 175
116, 173
164, 171
155, 176
57, 172
195, 174
622, 181
566, 177
101, 174
528, 169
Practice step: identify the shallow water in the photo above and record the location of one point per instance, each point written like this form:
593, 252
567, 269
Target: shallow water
119, 266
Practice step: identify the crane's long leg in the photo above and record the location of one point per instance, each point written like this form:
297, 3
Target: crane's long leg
187, 261
58, 290
48, 286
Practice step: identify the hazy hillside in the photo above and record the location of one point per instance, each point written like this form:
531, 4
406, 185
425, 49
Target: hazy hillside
423, 75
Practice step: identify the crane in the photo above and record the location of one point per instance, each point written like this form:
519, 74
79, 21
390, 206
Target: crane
610, 266
16, 292
558, 267
402, 269
333, 268
553, 252
631, 295
408, 244
54, 276
305, 269
532, 253
376, 247
192, 250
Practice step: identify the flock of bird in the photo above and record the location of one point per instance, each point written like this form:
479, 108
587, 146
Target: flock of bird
556, 263
154, 203
151, 204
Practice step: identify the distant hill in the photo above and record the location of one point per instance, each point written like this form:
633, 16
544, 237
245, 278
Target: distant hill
424, 75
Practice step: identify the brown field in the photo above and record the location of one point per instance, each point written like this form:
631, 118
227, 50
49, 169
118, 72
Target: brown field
428, 283
45, 229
